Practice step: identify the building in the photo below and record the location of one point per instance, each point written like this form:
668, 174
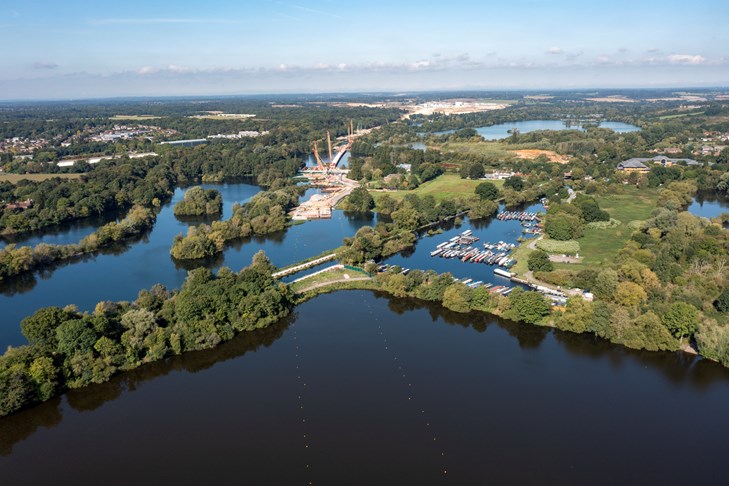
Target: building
638, 164
633, 165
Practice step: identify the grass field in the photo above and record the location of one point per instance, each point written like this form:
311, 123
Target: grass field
442, 187
487, 149
324, 278
601, 246
679, 115
13, 178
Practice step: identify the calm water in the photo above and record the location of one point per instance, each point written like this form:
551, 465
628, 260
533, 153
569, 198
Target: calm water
709, 205
364, 389
489, 231
62, 234
498, 132
119, 273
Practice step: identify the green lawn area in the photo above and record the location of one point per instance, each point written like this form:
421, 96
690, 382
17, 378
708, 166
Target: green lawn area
334, 275
494, 149
634, 204
601, 246
442, 187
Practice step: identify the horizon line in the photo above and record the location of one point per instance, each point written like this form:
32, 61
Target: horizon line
364, 92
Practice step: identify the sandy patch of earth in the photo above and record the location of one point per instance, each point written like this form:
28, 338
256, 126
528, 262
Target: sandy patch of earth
534, 153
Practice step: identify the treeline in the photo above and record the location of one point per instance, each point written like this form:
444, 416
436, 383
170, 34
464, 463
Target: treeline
15, 260
114, 185
523, 306
198, 202
265, 213
374, 163
69, 349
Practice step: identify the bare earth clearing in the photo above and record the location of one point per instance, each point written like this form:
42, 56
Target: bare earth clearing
534, 153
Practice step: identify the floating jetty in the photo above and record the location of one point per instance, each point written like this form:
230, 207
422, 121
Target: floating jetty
461, 247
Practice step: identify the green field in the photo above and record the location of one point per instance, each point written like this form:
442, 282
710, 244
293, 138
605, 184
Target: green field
442, 187
14, 178
331, 276
601, 246
487, 149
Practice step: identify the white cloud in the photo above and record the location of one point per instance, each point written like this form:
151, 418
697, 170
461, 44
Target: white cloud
554, 50
686, 59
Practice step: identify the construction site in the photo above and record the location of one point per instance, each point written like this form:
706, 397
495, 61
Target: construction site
329, 177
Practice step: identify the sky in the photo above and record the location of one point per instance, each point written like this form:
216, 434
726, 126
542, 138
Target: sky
88, 49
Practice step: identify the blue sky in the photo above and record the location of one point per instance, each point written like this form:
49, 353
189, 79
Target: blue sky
77, 49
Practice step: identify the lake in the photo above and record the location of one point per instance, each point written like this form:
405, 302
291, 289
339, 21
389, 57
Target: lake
501, 131
361, 388
120, 272
709, 204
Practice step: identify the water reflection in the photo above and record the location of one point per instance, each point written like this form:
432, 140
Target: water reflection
64, 233
353, 348
709, 204
18, 427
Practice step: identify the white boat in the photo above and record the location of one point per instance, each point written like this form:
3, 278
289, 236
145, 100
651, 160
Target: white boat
502, 273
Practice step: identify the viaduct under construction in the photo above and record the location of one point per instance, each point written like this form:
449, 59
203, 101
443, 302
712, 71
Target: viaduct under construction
333, 181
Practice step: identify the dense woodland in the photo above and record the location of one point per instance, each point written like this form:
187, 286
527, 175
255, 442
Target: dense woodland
199, 202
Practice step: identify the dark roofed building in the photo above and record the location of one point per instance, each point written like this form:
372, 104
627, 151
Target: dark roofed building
638, 164
633, 165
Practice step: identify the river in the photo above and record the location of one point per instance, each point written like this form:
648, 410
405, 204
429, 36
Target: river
120, 272
360, 388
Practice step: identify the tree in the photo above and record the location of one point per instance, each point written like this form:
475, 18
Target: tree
472, 170
359, 201
681, 320
456, 298
630, 294
514, 182
75, 336
527, 306
562, 226
722, 303
386, 205
606, 283
487, 190
40, 328
539, 262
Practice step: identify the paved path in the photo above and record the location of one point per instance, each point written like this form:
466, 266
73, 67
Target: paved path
304, 266
330, 282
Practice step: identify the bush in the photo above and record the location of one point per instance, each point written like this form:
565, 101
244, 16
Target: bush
722, 303
636, 224
613, 223
539, 262
569, 247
